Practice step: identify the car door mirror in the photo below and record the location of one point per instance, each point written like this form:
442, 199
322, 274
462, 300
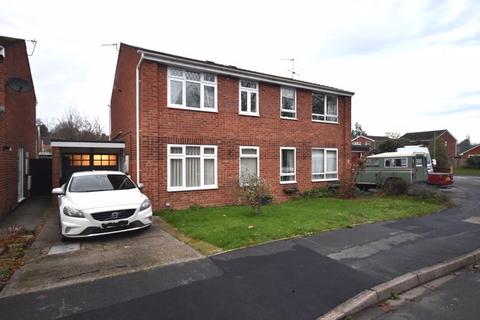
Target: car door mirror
140, 186
58, 191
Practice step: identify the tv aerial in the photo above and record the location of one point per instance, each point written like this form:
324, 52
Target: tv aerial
115, 45
292, 70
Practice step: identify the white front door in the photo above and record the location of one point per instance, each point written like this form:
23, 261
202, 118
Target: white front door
21, 174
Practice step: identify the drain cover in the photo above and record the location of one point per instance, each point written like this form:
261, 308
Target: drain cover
64, 248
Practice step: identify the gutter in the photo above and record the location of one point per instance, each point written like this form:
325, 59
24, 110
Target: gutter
137, 113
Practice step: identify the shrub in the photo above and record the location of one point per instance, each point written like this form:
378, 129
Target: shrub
427, 192
255, 192
394, 187
473, 162
316, 193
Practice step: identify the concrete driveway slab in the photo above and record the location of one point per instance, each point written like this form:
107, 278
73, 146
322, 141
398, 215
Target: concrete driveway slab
96, 258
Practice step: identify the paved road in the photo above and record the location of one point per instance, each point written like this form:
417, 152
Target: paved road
298, 278
456, 299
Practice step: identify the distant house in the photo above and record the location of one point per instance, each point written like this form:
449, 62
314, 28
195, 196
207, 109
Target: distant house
427, 137
358, 151
473, 151
17, 123
463, 146
366, 140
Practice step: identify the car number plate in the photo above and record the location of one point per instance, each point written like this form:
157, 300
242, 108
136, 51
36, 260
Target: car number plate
115, 224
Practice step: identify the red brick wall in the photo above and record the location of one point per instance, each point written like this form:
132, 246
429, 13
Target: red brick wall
17, 124
229, 130
474, 152
123, 104
451, 145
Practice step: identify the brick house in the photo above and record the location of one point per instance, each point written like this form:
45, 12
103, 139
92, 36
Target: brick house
17, 122
197, 126
366, 140
427, 137
473, 151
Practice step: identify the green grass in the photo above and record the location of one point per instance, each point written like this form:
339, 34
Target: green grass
466, 172
236, 226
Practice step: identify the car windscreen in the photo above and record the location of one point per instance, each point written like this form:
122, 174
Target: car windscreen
100, 182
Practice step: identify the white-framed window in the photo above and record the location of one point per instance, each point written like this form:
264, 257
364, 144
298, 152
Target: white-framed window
356, 143
192, 90
249, 163
191, 167
324, 108
248, 98
396, 163
288, 103
288, 163
324, 164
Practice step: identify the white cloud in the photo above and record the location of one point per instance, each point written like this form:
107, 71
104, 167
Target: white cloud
404, 59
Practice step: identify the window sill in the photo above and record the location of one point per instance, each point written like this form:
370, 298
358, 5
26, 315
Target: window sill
288, 182
192, 189
330, 122
193, 109
249, 114
323, 180
287, 118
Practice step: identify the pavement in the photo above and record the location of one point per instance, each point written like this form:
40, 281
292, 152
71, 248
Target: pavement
451, 297
28, 214
299, 278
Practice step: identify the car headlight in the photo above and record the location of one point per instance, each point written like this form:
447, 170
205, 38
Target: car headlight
72, 212
145, 205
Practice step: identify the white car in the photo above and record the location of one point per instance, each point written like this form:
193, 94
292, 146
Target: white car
99, 202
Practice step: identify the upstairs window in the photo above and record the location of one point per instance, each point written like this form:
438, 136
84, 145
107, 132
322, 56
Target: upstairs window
288, 107
324, 108
192, 90
248, 98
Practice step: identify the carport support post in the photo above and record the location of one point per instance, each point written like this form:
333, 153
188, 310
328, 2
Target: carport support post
56, 168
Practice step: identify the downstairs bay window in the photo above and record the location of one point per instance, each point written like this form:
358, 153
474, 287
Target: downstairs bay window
191, 167
324, 164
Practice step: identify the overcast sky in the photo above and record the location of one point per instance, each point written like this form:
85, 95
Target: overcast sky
414, 65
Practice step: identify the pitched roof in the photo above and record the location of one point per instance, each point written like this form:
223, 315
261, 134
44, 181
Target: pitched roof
377, 138
423, 135
469, 149
233, 70
7, 40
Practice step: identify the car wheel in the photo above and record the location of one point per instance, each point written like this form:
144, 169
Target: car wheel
63, 238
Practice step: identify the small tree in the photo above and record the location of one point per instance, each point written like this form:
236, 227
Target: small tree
358, 131
75, 126
438, 151
391, 145
254, 191
348, 187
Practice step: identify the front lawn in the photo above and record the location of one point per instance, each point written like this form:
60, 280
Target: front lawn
236, 226
466, 172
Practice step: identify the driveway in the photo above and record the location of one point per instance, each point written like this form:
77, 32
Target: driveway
299, 278
51, 263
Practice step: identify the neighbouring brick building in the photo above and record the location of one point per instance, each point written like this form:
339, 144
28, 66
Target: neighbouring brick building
372, 141
198, 126
473, 151
17, 122
427, 137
